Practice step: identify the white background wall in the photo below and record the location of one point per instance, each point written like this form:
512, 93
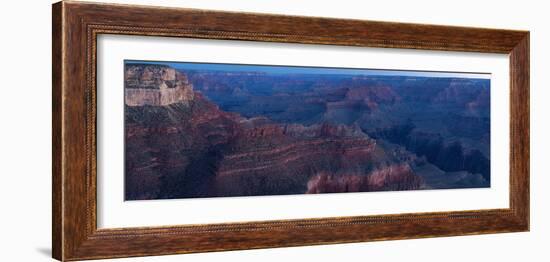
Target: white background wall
25, 147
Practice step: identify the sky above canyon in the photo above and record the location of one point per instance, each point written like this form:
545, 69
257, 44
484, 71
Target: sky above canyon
281, 69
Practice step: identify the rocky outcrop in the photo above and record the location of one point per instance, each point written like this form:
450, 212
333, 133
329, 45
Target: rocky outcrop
170, 149
481, 102
371, 96
358, 100
274, 159
464, 93
393, 177
155, 85
449, 157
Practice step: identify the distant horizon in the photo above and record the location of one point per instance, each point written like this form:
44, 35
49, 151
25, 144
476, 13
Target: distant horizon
313, 70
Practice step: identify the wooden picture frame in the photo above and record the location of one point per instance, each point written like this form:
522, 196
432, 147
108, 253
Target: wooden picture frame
76, 26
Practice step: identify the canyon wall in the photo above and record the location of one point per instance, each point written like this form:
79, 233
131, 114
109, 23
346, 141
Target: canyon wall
279, 159
155, 85
393, 177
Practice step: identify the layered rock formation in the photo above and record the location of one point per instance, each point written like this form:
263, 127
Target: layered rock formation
155, 85
279, 159
172, 148
393, 177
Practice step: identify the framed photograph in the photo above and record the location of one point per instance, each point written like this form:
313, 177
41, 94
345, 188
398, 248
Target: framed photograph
183, 130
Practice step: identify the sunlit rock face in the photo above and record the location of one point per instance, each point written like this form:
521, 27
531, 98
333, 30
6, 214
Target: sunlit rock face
155, 85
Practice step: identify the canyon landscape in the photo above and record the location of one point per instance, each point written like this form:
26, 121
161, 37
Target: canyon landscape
195, 130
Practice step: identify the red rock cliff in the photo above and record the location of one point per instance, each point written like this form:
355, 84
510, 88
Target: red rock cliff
393, 177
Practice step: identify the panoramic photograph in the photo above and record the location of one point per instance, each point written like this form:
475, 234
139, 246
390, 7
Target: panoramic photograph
198, 130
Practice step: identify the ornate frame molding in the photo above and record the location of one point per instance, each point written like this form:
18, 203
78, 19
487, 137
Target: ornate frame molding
76, 26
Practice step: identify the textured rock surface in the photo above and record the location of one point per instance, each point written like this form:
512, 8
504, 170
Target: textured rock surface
393, 177
279, 159
172, 148
155, 85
